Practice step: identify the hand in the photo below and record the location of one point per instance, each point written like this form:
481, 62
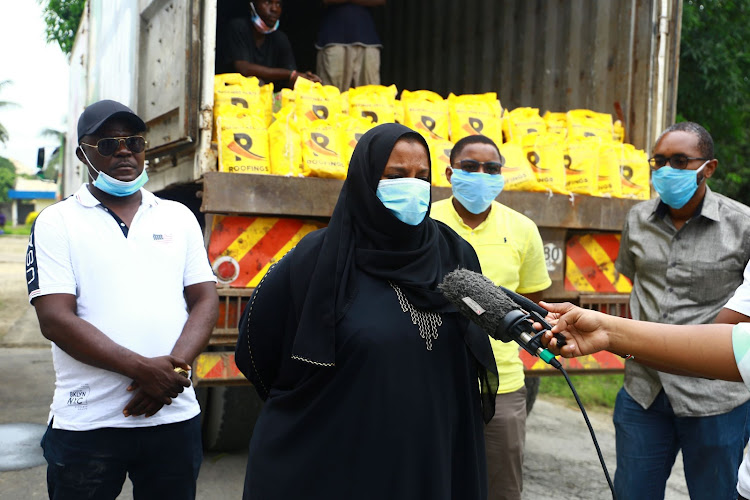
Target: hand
156, 377
141, 403
585, 331
310, 76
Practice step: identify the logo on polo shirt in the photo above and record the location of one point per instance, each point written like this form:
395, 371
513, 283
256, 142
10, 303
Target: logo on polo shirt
80, 397
163, 238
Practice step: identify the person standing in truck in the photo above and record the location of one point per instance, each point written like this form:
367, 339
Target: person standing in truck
348, 44
121, 284
511, 253
375, 386
253, 46
685, 252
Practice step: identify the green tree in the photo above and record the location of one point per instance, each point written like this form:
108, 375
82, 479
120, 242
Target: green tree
62, 18
7, 178
55, 161
714, 85
5, 104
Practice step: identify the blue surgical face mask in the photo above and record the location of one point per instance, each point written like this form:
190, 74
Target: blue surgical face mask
676, 187
476, 190
113, 186
260, 23
407, 197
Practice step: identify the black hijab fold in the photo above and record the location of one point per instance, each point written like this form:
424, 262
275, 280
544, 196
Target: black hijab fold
363, 234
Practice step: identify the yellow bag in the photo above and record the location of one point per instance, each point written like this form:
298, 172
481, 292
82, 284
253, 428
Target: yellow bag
582, 165
440, 158
243, 145
587, 123
236, 90
375, 102
398, 112
314, 101
619, 131
610, 158
232, 90
634, 173
344, 97
523, 121
285, 143
287, 97
546, 154
266, 101
557, 123
427, 113
475, 114
517, 170
351, 129
321, 151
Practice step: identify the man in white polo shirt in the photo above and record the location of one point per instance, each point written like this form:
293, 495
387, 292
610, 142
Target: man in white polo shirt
122, 287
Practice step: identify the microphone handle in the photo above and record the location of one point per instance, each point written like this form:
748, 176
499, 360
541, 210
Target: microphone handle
525, 303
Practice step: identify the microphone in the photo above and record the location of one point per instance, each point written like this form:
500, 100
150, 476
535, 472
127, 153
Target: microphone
491, 308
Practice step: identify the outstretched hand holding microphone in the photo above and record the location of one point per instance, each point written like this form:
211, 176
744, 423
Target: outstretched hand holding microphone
701, 350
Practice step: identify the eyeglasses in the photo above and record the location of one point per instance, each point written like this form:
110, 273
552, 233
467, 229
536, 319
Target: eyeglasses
490, 167
108, 145
679, 162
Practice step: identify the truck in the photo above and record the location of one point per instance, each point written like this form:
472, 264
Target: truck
158, 57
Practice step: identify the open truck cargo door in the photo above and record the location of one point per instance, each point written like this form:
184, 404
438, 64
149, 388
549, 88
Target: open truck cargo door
169, 81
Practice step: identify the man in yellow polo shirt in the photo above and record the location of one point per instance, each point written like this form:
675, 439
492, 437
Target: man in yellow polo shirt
510, 250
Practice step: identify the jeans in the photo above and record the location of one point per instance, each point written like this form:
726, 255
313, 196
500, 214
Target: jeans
162, 461
648, 441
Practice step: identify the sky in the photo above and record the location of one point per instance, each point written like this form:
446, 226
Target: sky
39, 75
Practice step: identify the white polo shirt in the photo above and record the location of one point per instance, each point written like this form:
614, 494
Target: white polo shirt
740, 301
129, 287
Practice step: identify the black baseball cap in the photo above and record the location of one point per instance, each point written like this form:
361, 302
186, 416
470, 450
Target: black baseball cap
99, 112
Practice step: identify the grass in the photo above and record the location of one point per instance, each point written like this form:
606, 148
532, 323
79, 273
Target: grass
25, 230
594, 390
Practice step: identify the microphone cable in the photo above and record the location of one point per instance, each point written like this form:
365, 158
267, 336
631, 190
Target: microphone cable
588, 424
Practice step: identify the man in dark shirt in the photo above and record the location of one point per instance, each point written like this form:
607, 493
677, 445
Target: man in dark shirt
253, 46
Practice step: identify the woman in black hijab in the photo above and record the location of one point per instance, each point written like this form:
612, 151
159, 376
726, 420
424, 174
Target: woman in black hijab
369, 374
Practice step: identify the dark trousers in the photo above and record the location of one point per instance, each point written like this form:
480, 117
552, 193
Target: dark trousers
162, 461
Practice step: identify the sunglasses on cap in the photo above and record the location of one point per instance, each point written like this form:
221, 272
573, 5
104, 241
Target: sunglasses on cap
679, 162
108, 145
490, 167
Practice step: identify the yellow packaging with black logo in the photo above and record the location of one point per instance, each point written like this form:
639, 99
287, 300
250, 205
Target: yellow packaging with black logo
517, 170
232, 90
427, 113
582, 165
285, 143
243, 145
618, 131
634, 173
351, 129
610, 159
440, 157
374, 102
587, 123
557, 123
475, 114
523, 121
321, 150
314, 101
545, 153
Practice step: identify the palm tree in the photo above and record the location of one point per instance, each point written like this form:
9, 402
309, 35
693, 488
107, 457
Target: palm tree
55, 162
5, 104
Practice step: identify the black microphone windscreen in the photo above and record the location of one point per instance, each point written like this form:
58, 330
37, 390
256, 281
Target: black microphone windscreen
477, 297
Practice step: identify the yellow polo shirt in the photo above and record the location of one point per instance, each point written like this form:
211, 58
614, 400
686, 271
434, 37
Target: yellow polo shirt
511, 253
